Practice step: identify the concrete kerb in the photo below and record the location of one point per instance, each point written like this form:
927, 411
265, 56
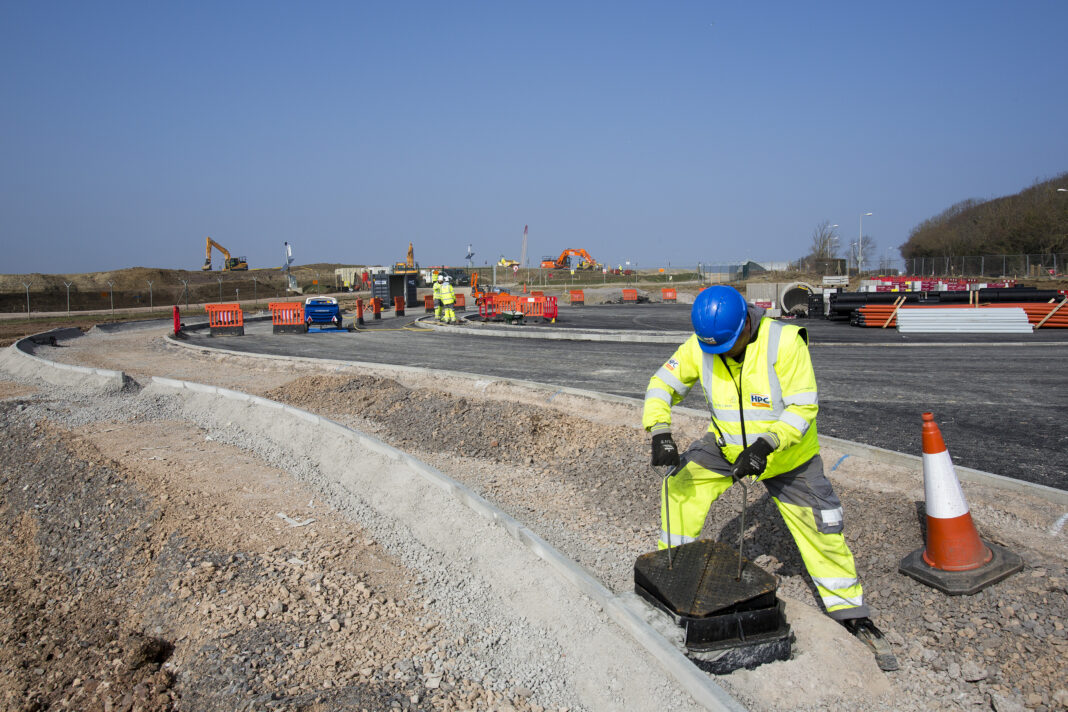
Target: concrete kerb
690, 679
538, 332
512, 387
21, 361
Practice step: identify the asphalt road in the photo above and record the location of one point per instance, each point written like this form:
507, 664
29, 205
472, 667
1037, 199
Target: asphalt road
1000, 400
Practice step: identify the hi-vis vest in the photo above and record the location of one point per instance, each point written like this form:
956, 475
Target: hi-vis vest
437, 291
448, 294
778, 394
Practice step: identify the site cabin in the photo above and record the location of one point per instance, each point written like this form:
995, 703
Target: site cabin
322, 311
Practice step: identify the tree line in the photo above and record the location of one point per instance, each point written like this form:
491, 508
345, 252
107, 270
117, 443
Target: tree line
1033, 221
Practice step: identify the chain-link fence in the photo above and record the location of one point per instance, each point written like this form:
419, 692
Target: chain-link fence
1018, 266
40, 295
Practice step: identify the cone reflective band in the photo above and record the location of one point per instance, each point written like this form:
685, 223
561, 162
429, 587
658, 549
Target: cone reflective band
952, 541
954, 560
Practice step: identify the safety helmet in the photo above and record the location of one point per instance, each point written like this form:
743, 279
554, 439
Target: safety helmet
441, 278
718, 317
448, 280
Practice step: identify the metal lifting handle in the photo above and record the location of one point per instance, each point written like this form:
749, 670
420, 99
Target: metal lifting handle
671, 472
741, 530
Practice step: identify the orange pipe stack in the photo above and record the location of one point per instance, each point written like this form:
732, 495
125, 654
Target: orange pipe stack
875, 315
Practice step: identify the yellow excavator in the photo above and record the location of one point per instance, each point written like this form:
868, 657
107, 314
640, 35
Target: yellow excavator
229, 263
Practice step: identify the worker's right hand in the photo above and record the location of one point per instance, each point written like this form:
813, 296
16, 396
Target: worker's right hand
664, 451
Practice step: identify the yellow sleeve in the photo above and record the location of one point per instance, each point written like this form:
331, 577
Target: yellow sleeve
669, 385
799, 394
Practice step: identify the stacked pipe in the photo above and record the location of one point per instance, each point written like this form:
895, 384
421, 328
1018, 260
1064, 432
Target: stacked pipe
1047, 314
843, 304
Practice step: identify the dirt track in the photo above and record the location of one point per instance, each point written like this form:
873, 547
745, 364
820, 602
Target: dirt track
179, 543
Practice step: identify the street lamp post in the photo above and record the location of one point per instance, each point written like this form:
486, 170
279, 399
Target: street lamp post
111, 291
860, 245
27, 298
68, 296
150, 295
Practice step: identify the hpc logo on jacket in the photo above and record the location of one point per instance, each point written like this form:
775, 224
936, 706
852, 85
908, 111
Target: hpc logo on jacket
758, 400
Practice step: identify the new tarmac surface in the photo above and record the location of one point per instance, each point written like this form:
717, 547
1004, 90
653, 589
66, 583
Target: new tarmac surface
1000, 400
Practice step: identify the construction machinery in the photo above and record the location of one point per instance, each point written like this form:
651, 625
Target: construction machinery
229, 263
586, 261
409, 266
505, 262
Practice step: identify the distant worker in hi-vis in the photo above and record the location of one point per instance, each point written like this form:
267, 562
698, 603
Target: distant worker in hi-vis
448, 298
757, 379
438, 282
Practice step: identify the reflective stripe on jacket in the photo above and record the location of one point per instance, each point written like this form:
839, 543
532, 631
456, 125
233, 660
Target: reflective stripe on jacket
778, 388
437, 290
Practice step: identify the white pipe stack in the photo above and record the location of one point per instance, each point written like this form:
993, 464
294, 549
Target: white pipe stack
1000, 320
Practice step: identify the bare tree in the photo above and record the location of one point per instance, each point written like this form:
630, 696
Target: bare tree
824, 241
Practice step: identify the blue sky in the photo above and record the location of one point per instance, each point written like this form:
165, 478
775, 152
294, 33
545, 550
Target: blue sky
654, 132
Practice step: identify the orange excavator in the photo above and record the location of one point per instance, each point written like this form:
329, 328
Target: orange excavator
564, 260
229, 263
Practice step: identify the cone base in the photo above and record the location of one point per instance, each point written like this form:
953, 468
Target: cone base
1002, 564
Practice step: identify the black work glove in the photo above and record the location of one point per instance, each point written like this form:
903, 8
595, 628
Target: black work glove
753, 460
664, 450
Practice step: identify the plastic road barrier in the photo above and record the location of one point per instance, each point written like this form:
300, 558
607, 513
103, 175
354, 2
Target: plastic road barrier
428, 303
376, 307
668, 295
461, 304
225, 319
578, 298
359, 312
398, 306
630, 295
287, 318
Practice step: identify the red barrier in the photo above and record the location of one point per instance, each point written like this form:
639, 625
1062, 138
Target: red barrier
578, 297
461, 304
630, 295
376, 307
668, 295
428, 303
177, 320
225, 319
398, 306
287, 318
359, 312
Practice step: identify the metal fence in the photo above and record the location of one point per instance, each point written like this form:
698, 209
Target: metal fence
1019, 266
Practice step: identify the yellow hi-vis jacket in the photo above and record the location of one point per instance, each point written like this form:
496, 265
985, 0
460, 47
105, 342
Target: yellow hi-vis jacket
448, 294
778, 393
437, 291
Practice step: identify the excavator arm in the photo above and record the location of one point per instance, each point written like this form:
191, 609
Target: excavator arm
207, 254
587, 260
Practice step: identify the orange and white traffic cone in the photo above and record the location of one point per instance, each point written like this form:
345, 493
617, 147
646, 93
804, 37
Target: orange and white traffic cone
955, 560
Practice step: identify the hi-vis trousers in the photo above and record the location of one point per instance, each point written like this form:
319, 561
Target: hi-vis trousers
807, 503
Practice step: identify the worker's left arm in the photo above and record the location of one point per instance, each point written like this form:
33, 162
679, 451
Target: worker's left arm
799, 395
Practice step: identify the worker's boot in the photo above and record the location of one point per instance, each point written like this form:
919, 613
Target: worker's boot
866, 632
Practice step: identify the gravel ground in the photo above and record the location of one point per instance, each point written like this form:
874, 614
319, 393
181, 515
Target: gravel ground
168, 592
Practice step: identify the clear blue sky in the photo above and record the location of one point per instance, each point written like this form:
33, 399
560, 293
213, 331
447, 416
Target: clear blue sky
653, 132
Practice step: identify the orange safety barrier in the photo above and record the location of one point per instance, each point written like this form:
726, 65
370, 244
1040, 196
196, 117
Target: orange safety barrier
461, 303
359, 312
376, 307
668, 295
537, 293
287, 317
428, 303
225, 319
630, 295
578, 297
398, 306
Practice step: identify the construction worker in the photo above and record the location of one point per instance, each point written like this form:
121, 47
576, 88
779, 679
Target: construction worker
438, 282
448, 298
758, 382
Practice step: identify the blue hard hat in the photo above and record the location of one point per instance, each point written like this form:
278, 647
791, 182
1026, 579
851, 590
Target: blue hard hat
718, 317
